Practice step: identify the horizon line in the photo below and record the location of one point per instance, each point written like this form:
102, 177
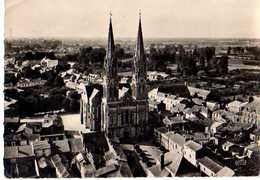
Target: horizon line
120, 38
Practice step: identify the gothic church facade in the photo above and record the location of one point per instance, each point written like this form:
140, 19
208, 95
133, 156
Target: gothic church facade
124, 111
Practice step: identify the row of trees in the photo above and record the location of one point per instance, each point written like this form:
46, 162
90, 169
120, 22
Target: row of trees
201, 59
30, 100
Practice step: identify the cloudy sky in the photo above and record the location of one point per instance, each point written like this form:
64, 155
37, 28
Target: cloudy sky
161, 18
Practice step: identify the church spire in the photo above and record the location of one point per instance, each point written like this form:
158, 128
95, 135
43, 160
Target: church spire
139, 71
110, 42
110, 78
140, 44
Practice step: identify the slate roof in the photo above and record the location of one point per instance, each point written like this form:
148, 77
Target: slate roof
178, 89
76, 145
210, 164
105, 170
62, 145
57, 161
91, 139
11, 152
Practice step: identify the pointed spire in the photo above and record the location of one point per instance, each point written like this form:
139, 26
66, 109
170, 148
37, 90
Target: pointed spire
139, 70
110, 42
139, 43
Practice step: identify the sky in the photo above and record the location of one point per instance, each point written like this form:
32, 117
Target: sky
160, 18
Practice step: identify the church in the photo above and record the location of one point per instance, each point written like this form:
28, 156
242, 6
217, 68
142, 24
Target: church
123, 108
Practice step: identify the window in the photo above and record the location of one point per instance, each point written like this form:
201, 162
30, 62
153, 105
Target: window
122, 118
126, 117
131, 117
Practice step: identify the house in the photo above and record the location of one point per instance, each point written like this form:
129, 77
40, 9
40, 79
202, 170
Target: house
90, 107
42, 148
190, 113
226, 146
85, 168
192, 151
251, 112
235, 106
255, 136
153, 105
201, 137
76, 145
158, 134
176, 142
224, 116
62, 146
152, 94
215, 126
212, 106
61, 169
203, 93
155, 76
171, 101
19, 161
212, 168
51, 63
27, 83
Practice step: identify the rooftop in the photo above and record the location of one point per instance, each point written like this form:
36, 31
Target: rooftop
177, 138
209, 163
193, 145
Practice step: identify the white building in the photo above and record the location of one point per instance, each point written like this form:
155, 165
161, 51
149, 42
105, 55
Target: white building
191, 151
235, 106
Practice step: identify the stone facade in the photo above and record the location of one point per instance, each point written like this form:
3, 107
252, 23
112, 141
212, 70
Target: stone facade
125, 111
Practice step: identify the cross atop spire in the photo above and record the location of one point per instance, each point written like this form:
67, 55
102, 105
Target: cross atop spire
110, 14
140, 13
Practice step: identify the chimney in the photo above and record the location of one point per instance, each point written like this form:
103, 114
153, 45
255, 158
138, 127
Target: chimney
162, 161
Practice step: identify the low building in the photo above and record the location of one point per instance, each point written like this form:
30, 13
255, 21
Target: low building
90, 107
85, 168
215, 126
155, 76
255, 136
19, 161
212, 168
212, 106
203, 93
51, 63
175, 142
235, 106
192, 151
61, 169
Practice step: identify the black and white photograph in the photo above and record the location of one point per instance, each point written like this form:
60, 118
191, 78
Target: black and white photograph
131, 88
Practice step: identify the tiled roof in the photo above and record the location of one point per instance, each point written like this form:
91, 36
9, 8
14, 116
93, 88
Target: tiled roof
18, 151
210, 164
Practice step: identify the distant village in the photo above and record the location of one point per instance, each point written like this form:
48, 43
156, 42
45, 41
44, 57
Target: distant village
131, 110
